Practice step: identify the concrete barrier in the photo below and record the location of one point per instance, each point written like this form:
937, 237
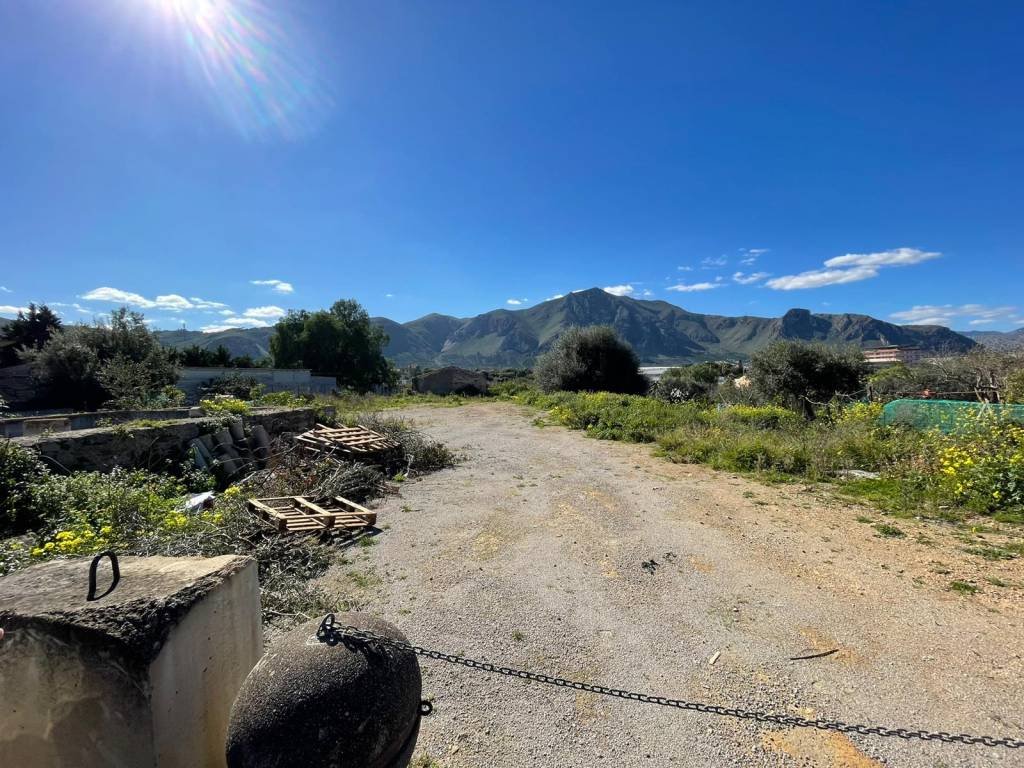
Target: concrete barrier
143, 677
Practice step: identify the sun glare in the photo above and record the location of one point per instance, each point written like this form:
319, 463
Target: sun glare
249, 59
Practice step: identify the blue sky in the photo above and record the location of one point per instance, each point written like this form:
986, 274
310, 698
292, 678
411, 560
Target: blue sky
728, 157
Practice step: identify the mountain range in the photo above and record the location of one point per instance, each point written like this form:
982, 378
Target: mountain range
661, 333
1002, 341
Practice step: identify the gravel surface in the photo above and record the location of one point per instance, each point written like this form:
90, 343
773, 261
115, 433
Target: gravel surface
530, 553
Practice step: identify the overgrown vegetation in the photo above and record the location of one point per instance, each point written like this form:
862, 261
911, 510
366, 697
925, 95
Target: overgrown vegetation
48, 515
118, 364
978, 469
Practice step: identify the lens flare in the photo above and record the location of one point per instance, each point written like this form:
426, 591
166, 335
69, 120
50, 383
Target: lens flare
252, 64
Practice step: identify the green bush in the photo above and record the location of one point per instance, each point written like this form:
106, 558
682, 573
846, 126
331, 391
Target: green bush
284, 400
762, 417
592, 359
692, 382
225, 406
20, 470
806, 376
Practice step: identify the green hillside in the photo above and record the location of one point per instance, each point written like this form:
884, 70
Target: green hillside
661, 333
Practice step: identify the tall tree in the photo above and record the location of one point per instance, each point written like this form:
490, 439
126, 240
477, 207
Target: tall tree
28, 331
340, 342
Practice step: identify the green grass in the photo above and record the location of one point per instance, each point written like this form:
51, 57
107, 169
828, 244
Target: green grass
962, 587
889, 531
991, 553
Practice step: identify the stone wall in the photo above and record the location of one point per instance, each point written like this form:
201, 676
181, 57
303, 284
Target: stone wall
63, 422
157, 447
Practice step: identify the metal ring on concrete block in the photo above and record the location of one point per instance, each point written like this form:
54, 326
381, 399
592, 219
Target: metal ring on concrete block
309, 703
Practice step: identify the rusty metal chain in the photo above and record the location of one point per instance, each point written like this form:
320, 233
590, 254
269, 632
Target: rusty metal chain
332, 633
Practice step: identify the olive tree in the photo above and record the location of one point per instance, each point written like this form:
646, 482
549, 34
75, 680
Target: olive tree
590, 359
806, 375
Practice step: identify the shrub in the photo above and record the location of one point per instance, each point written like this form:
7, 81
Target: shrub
981, 464
284, 399
762, 417
694, 382
20, 470
223, 405
590, 359
1014, 392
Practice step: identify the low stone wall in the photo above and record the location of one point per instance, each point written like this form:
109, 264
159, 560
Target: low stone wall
156, 447
64, 422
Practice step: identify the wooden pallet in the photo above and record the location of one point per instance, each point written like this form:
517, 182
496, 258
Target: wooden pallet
300, 514
353, 442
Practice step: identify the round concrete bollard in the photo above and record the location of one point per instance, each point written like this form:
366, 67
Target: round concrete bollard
342, 706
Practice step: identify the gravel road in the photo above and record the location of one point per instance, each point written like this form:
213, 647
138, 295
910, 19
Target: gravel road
530, 553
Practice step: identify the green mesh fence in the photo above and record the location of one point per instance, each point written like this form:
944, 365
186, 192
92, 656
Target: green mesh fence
944, 415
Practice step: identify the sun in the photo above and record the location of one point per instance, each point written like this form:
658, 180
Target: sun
189, 10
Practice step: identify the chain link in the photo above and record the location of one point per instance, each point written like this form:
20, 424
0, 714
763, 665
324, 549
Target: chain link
332, 633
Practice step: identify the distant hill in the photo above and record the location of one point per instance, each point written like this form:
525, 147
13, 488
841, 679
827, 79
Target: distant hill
661, 333
1004, 341
254, 342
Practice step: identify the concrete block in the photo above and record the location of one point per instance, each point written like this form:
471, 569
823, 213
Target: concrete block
141, 678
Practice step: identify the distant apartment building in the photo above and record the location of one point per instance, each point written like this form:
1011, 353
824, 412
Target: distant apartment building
892, 355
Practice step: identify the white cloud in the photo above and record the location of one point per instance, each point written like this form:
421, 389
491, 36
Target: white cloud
947, 314
713, 262
118, 296
619, 290
694, 287
5, 289
817, 278
647, 292
279, 286
389, 295
170, 301
897, 257
204, 304
683, 269
852, 268
173, 302
514, 302
750, 255
753, 277
263, 312
235, 322
75, 306
7, 309
226, 312
556, 296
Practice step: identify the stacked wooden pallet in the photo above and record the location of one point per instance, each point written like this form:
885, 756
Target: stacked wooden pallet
349, 442
301, 514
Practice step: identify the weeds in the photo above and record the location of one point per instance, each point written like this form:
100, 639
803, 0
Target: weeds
889, 531
962, 587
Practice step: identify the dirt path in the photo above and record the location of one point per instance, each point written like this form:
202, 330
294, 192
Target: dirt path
530, 554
